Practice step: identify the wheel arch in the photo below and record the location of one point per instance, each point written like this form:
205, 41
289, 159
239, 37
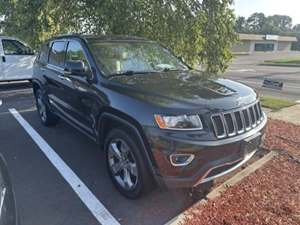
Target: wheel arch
109, 120
35, 86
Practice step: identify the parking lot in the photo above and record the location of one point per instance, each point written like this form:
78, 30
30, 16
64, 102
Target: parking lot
246, 69
43, 192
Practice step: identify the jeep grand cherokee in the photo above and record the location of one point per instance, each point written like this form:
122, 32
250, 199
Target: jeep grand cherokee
156, 119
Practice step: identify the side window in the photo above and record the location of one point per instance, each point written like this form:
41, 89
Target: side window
14, 47
75, 53
57, 54
44, 53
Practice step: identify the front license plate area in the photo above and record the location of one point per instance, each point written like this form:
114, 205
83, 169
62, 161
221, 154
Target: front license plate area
250, 144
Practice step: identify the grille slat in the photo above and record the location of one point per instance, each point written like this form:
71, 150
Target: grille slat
247, 119
252, 115
218, 126
256, 113
239, 121
236, 122
230, 128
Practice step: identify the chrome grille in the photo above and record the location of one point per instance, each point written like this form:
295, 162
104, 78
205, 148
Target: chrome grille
236, 122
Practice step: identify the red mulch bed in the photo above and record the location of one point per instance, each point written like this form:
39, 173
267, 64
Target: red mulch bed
269, 196
283, 136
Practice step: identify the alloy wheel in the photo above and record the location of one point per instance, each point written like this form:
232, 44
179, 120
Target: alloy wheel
122, 164
41, 108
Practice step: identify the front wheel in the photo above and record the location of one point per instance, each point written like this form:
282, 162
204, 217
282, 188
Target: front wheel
126, 165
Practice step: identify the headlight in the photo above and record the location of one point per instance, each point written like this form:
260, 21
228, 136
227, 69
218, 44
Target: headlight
182, 122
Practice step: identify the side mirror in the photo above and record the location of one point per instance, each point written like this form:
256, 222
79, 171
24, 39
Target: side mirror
181, 59
76, 68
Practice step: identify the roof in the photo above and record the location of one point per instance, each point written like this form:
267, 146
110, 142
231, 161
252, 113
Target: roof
260, 37
7, 37
102, 37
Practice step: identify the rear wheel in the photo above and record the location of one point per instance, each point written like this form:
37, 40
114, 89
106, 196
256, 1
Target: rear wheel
126, 165
46, 116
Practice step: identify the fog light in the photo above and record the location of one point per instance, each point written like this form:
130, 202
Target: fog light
181, 159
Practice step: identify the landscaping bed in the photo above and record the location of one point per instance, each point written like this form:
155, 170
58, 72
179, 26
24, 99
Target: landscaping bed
271, 195
291, 62
283, 136
275, 103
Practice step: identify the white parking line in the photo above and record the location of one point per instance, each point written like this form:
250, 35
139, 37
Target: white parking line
87, 197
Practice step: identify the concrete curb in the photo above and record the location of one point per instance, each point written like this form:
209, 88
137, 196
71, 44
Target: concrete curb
178, 220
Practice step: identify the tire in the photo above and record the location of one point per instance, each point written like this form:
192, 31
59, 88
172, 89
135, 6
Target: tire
126, 165
46, 116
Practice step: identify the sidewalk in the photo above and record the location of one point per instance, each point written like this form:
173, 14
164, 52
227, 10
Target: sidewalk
290, 114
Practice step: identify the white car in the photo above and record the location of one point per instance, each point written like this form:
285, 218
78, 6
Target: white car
16, 60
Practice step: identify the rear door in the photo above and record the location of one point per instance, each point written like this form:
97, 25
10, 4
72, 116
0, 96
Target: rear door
17, 60
54, 75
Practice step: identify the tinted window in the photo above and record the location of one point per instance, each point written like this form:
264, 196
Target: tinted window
14, 47
264, 47
75, 52
57, 54
43, 58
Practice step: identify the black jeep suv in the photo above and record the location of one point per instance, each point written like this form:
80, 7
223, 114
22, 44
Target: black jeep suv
156, 119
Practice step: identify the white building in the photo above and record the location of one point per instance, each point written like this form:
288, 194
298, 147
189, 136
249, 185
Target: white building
249, 43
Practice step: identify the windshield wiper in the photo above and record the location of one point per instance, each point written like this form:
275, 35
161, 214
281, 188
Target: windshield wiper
169, 69
129, 73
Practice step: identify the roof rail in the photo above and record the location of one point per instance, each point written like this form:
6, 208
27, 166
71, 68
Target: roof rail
69, 34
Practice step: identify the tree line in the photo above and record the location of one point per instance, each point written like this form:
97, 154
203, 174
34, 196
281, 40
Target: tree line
198, 31
258, 23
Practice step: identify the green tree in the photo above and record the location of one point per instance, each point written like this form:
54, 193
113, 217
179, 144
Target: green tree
296, 28
241, 25
214, 19
199, 31
256, 22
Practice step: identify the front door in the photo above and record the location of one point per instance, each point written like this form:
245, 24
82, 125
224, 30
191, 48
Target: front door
65, 93
17, 60
82, 98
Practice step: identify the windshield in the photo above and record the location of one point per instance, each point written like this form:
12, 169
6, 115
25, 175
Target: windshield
137, 57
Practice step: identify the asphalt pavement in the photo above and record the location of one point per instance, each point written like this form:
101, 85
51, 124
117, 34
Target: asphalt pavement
44, 195
246, 69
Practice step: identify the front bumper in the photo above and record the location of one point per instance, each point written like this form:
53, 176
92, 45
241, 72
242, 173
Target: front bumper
212, 158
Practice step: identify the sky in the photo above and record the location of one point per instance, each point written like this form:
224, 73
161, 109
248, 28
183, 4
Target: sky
269, 7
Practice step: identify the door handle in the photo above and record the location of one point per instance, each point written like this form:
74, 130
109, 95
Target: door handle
62, 77
3, 59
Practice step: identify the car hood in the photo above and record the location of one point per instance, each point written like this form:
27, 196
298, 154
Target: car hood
174, 89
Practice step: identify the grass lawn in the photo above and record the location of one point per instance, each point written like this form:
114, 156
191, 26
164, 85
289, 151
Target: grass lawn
275, 103
283, 62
